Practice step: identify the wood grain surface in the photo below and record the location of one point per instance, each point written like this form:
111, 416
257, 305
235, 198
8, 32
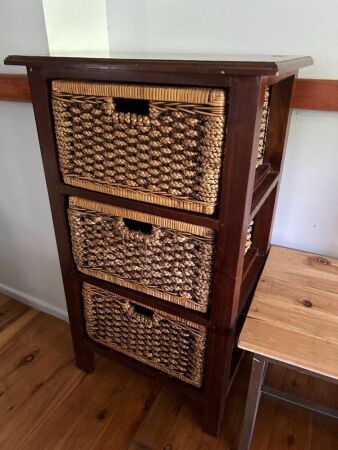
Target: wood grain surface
308, 93
14, 88
315, 94
293, 317
47, 402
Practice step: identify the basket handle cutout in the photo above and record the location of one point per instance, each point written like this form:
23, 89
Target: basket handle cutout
135, 225
142, 310
131, 105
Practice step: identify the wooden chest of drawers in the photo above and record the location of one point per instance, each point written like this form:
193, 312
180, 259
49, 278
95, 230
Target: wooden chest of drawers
162, 177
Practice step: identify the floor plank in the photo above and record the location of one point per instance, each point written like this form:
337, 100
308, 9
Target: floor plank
294, 427
130, 408
47, 403
10, 311
83, 417
37, 370
8, 333
155, 428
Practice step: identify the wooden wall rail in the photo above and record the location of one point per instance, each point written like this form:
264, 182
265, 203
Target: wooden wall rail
14, 88
308, 94
315, 94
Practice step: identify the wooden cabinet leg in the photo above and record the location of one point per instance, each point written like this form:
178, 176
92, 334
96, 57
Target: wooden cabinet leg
213, 417
258, 370
217, 381
85, 360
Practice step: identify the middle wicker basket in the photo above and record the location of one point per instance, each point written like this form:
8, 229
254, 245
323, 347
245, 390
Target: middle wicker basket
168, 259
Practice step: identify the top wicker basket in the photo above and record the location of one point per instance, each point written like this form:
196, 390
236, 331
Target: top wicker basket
155, 144
149, 143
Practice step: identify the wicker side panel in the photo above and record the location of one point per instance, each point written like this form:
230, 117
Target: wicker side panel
172, 345
264, 128
171, 155
173, 265
249, 236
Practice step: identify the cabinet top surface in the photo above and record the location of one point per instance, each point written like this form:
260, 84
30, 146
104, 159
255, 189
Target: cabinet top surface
225, 64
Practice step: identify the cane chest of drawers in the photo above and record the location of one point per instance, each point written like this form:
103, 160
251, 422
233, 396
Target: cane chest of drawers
162, 176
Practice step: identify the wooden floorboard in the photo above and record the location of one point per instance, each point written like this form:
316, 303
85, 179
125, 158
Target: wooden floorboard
47, 403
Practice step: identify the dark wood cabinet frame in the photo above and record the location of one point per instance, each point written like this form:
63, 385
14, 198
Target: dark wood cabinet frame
246, 193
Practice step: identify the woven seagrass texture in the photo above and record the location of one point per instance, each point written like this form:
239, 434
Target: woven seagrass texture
170, 156
248, 243
264, 128
174, 265
168, 343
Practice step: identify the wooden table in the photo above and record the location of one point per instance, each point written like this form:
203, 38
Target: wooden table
293, 321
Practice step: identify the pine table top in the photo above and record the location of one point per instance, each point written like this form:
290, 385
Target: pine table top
293, 317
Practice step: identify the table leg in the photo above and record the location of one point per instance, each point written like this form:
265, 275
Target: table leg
259, 365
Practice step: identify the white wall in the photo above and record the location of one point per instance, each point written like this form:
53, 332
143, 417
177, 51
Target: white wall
229, 26
29, 268
76, 26
307, 216
307, 213
22, 30
307, 208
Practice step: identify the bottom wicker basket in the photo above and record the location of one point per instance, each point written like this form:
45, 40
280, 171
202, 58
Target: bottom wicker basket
161, 340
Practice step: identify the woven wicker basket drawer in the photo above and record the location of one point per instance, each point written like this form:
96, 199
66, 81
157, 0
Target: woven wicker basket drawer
155, 144
161, 257
161, 340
